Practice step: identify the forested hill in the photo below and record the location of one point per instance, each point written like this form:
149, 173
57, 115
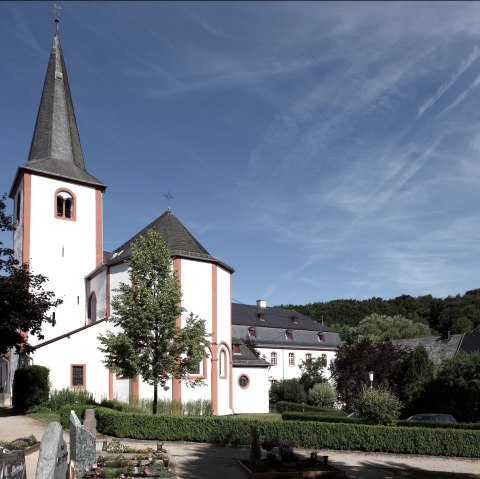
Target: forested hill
460, 313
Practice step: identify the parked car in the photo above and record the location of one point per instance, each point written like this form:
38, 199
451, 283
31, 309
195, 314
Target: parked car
432, 417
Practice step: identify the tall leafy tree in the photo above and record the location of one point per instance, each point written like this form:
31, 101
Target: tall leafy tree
350, 368
419, 372
312, 372
150, 343
456, 389
24, 304
379, 327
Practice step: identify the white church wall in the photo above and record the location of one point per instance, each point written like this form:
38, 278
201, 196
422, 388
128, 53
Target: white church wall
97, 285
224, 306
254, 397
79, 349
196, 281
224, 371
61, 249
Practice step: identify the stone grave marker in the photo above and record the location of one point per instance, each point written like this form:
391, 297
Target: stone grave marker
53, 456
83, 444
90, 422
12, 465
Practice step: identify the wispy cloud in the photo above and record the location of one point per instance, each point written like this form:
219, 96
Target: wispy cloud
464, 65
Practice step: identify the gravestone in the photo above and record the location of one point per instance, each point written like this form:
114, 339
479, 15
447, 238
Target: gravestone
12, 465
82, 444
52, 458
90, 422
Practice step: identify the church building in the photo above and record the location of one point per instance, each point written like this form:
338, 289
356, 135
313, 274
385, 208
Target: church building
59, 233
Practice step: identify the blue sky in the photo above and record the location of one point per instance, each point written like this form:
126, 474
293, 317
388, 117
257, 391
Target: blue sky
325, 150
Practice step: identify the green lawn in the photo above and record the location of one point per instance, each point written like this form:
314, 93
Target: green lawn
45, 417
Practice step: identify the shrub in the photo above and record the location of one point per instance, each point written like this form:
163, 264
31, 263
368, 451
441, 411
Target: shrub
319, 417
30, 387
378, 406
318, 435
288, 390
123, 406
61, 397
79, 410
322, 395
283, 406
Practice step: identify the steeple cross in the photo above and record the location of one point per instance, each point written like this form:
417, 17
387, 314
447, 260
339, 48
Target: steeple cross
169, 197
56, 9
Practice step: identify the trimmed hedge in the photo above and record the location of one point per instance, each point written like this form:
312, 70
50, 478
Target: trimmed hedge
318, 435
314, 416
79, 411
437, 424
284, 406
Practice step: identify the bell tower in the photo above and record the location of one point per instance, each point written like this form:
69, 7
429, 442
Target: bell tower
57, 203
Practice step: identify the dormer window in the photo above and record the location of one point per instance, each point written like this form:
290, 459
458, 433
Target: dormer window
236, 349
252, 333
321, 337
65, 205
261, 316
294, 319
289, 334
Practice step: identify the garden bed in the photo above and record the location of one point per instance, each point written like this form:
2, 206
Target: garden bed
26, 444
119, 461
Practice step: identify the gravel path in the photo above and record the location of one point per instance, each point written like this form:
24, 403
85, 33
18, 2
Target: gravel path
207, 461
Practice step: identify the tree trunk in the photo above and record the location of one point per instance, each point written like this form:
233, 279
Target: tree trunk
155, 398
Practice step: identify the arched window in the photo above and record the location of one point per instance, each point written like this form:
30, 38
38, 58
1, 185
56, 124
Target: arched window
308, 357
223, 364
65, 204
17, 209
92, 308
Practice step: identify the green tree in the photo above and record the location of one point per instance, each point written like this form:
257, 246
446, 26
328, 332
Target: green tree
378, 327
353, 362
419, 373
24, 305
312, 372
378, 406
322, 395
456, 390
462, 324
150, 343
287, 390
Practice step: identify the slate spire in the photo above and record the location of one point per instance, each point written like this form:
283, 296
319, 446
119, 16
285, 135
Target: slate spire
55, 148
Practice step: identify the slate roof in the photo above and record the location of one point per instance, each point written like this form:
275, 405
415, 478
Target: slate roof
437, 348
55, 149
470, 343
246, 357
180, 241
271, 332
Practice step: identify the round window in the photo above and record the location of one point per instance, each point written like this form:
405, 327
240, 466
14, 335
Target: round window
243, 381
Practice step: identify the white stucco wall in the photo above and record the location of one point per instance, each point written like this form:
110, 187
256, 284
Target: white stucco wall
97, 285
253, 398
282, 370
63, 250
80, 348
